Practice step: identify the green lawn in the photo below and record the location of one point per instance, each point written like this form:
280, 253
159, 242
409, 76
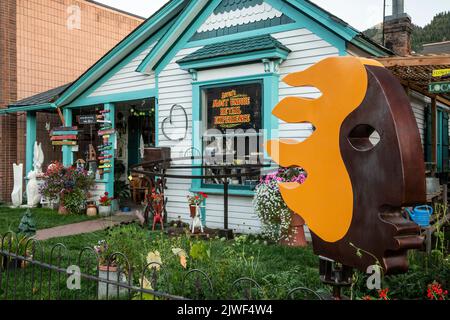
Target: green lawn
277, 269
45, 218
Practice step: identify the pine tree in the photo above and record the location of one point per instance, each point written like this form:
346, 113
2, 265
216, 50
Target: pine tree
27, 225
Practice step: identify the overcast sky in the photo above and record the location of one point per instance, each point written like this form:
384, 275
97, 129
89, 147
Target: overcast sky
361, 14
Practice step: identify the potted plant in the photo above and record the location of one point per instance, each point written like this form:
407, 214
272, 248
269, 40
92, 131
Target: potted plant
70, 185
104, 209
279, 223
195, 201
128, 240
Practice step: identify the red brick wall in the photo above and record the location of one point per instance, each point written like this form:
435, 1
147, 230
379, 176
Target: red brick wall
8, 93
48, 54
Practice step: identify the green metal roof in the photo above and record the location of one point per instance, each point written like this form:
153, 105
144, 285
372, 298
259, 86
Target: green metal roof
225, 49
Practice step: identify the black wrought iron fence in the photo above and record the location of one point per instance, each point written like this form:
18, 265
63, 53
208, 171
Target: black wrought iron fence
30, 271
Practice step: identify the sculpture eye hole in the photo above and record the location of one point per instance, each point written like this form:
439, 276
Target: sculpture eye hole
364, 137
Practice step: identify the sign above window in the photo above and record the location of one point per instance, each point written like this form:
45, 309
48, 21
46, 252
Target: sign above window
234, 107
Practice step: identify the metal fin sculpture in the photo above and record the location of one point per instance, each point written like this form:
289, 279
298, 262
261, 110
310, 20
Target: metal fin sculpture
356, 184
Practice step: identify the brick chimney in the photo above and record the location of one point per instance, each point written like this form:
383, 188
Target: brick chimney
398, 29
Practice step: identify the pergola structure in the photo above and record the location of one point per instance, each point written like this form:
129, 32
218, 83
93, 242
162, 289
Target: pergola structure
415, 72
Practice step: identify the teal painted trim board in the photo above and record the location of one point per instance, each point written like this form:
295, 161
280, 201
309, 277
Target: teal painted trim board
243, 35
258, 25
188, 33
145, 30
47, 106
84, 98
185, 20
67, 150
270, 82
235, 59
118, 97
30, 141
64, 133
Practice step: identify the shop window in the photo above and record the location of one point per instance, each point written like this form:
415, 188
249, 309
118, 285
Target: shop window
232, 118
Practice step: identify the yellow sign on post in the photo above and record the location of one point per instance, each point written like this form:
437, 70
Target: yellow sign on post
441, 72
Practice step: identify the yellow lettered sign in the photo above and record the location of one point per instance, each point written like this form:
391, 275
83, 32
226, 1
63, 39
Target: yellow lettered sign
441, 72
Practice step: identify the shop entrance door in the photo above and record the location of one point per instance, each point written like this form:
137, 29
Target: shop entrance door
134, 138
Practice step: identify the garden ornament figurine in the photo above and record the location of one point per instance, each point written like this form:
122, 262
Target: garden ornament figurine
17, 193
196, 221
33, 195
357, 181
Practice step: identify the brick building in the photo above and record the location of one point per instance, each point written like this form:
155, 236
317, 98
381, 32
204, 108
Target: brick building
45, 44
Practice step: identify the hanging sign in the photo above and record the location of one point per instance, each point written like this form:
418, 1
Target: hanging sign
233, 107
441, 73
87, 119
439, 87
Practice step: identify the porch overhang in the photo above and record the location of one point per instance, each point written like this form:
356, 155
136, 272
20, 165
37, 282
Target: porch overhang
415, 72
260, 48
39, 107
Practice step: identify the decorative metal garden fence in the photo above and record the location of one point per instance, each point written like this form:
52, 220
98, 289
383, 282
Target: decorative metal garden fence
79, 276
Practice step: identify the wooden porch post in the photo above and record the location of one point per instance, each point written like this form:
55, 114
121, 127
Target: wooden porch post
433, 131
30, 140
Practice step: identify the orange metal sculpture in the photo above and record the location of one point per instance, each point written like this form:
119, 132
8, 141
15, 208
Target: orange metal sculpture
343, 200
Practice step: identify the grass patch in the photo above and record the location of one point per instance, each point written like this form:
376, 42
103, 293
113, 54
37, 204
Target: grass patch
45, 218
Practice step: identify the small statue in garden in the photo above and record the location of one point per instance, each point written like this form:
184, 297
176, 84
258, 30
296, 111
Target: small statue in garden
33, 195
195, 202
157, 203
27, 225
17, 193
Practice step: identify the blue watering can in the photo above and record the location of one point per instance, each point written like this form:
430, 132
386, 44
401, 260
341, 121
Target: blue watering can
421, 215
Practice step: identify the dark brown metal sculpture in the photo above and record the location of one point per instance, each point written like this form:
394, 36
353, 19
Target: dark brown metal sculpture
357, 182
385, 177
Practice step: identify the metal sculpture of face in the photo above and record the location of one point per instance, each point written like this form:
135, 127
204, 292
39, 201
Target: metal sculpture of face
356, 185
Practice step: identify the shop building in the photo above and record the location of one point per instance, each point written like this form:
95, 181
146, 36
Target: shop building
197, 77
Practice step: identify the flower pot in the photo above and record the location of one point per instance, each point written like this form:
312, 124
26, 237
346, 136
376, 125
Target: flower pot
62, 210
193, 210
296, 232
112, 274
91, 210
104, 211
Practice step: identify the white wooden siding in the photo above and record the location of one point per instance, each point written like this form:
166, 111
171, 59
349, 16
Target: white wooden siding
127, 79
307, 49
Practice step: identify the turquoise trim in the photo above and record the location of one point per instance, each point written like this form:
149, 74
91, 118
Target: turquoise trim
67, 150
47, 106
235, 59
30, 140
109, 177
243, 35
122, 49
64, 133
270, 83
370, 48
185, 19
85, 98
325, 28
184, 39
117, 97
